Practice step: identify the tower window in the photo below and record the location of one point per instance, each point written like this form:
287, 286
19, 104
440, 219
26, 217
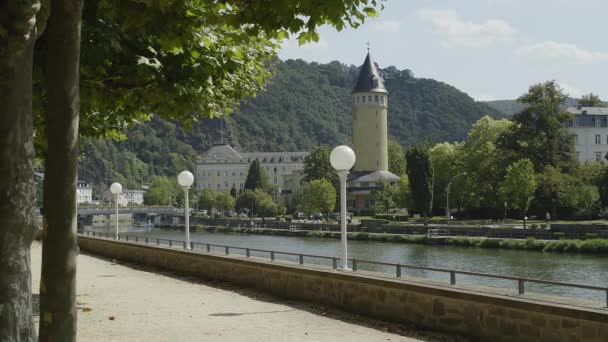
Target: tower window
363, 99
369, 98
357, 99
376, 98
381, 99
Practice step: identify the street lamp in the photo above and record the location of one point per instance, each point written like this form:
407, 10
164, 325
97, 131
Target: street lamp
342, 159
77, 199
116, 189
185, 179
447, 196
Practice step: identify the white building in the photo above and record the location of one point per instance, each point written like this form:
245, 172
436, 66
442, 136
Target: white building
131, 197
589, 129
84, 192
221, 167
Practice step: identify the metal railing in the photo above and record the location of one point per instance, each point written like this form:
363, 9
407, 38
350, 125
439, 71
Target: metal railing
300, 258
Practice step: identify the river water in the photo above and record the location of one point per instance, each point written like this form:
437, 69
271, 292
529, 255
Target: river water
587, 269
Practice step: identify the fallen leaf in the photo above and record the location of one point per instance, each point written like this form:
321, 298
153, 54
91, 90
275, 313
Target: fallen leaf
111, 318
87, 309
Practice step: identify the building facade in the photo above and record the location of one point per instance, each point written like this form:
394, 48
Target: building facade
131, 197
370, 139
221, 167
84, 192
589, 130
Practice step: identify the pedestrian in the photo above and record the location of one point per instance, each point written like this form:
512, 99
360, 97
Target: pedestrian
547, 218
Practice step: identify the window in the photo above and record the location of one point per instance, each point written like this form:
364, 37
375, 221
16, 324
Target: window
275, 170
574, 122
233, 174
226, 185
578, 156
283, 168
357, 99
218, 186
267, 168
226, 173
218, 173
364, 184
381, 99
275, 180
363, 99
598, 156
598, 123
376, 98
209, 185
369, 98
598, 139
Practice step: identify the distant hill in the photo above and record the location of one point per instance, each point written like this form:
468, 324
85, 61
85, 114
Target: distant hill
304, 105
510, 107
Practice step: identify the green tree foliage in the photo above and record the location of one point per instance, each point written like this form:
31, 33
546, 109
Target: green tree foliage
404, 196
317, 196
172, 58
259, 201
396, 157
163, 191
257, 177
483, 161
519, 185
233, 191
420, 175
206, 200
591, 100
386, 198
556, 189
224, 201
317, 165
539, 132
588, 197
447, 163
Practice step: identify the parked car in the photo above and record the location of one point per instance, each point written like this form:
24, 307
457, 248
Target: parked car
336, 216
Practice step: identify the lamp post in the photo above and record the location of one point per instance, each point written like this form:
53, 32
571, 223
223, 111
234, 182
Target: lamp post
185, 179
342, 159
116, 189
447, 196
77, 199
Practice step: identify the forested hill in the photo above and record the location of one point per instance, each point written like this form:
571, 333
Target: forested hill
510, 107
304, 105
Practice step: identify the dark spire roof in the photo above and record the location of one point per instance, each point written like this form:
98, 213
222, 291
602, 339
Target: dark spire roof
369, 78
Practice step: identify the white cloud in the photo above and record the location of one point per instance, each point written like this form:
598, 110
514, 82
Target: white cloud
386, 26
561, 52
457, 32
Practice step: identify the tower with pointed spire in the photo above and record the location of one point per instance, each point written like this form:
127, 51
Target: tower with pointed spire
369, 115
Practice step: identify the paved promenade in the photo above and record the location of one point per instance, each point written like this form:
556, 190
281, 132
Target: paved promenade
121, 303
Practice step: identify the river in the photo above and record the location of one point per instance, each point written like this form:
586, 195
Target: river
587, 269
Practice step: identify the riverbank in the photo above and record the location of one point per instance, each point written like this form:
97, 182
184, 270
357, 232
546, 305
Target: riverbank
589, 246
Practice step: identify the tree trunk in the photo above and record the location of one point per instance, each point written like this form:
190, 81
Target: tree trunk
58, 279
17, 225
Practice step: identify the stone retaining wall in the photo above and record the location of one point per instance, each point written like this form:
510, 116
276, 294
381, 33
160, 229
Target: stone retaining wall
439, 308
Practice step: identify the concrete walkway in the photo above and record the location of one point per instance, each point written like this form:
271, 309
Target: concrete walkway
122, 303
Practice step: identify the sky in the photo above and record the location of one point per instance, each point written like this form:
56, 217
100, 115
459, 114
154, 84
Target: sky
490, 49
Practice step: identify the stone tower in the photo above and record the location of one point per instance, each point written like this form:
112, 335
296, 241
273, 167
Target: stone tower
370, 131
